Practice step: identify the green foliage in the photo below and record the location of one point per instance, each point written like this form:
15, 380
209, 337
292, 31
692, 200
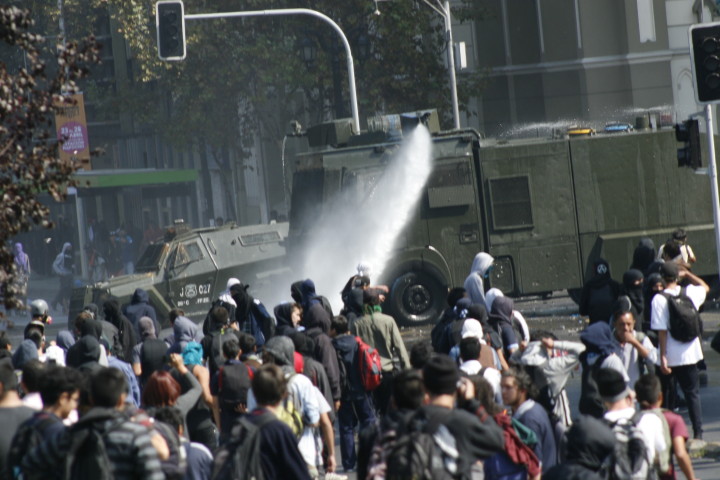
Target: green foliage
29, 161
243, 74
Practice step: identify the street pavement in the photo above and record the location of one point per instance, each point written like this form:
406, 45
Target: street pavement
557, 313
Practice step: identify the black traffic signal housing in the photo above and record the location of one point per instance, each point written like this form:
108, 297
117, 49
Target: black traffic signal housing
170, 23
705, 53
688, 132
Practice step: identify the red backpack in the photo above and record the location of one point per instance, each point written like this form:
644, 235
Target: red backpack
370, 365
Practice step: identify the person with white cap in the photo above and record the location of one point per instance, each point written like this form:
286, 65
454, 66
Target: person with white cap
477, 357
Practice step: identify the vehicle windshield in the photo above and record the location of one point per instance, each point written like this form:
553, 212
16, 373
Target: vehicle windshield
149, 261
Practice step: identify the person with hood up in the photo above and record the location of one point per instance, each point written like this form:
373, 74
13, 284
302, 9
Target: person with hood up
480, 270
139, 306
288, 316
26, 351
22, 274
501, 322
149, 355
314, 313
323, 351
63, 267
440, 341
589, 443
251, 315
519, 324
85, 326
184, 332
65, 340
301, 392
643, 256
599, 293
602, 350
633, 287
224, 300
126, 332
85, 355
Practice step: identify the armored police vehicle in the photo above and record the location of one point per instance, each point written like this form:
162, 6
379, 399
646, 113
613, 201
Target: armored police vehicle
189, 268
545, 208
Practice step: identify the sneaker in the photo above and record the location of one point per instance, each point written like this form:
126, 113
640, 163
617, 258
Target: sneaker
335, 476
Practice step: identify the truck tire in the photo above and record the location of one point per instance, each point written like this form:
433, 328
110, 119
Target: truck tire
416, 298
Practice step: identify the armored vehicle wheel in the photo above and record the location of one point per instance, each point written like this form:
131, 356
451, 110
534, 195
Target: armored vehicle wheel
416, 298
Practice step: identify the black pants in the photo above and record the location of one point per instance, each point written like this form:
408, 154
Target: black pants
689, 382
381, 395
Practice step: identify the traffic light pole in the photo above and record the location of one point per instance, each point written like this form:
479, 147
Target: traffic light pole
300, 11
444, 11
712, 173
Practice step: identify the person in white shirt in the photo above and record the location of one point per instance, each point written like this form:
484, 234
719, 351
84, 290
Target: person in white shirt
678, 360
473, 363
619, 401
637, 351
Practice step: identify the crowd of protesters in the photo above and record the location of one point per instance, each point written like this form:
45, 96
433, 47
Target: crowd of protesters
247, 394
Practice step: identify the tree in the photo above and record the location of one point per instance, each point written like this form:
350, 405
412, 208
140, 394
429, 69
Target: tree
245, 79
29, 160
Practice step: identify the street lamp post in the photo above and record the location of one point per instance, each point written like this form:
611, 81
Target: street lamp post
444, 10
300, 11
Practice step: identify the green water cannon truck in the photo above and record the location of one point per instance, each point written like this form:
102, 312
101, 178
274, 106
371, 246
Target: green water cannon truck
544, 208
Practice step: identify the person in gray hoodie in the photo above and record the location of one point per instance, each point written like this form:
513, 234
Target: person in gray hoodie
479, 271
139, 307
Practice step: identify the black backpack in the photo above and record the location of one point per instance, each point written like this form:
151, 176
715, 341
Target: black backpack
239, 458
684, 317
175, 465
233, 385
420, 449
216, 358
87, 456
590, 401
30, 434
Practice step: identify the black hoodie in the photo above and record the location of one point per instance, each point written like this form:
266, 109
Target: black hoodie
126, 331
599, 293
589, 442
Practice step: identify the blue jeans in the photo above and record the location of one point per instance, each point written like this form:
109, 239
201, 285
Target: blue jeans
352, 412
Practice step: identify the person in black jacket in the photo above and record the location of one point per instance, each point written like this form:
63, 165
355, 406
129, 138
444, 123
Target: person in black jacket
588, 444
126, 331
599, 293
356, 407
408, 395
475, 440
303, 292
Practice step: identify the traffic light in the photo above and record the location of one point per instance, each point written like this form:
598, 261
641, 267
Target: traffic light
689, 133
705, 53
170, 23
